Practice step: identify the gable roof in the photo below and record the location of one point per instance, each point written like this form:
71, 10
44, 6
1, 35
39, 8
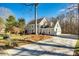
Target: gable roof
33, 21
53, 22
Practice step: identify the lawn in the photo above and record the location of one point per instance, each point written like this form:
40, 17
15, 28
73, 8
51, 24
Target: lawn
76, 52
30, 37
24, 39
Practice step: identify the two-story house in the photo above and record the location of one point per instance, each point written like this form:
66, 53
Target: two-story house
44, 27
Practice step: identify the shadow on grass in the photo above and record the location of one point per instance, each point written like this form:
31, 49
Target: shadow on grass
30, 52
52, 45
69, 37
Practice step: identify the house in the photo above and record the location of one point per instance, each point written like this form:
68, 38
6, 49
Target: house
44, 27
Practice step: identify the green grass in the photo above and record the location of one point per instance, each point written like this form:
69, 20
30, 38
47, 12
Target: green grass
77, 45
76, 52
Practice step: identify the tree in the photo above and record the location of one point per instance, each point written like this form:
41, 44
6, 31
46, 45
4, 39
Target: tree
21, 24
10, 22
1, 21
2, 26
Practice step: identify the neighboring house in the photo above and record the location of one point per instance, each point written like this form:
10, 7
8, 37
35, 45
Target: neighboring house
44, 27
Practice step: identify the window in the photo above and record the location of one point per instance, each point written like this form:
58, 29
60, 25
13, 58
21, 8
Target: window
49, 32
32, 26
32, 31
56, 29
37, 25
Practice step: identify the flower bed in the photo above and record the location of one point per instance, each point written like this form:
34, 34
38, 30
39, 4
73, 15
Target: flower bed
39, 37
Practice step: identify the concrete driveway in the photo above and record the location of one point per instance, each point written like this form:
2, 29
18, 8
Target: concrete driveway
56, 46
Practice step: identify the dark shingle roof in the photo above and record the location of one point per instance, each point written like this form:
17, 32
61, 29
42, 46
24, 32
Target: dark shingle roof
33, 21
40, 19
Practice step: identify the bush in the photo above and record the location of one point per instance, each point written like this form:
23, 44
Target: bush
1, 36
11, 44
14, 44
5, 36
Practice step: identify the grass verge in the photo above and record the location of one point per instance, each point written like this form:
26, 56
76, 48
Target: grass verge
76, 52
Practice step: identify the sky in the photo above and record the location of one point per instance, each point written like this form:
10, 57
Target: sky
27, 12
